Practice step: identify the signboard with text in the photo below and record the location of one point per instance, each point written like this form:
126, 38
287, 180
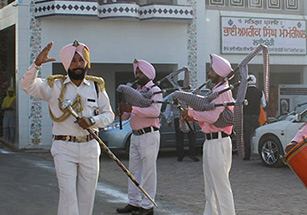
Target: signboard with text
240, 35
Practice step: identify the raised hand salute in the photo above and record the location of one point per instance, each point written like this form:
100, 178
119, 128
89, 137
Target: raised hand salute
43, 55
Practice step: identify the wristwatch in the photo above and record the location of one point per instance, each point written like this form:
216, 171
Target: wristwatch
92, 120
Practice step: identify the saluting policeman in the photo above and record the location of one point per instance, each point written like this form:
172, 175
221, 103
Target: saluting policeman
75, 151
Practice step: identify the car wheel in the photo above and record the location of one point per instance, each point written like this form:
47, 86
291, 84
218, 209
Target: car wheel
270, 151
127, 146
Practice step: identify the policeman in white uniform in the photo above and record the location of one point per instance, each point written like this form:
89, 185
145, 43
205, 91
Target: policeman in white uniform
75, 151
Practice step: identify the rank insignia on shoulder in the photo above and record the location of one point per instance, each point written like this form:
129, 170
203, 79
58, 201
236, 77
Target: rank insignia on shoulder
98, 80
52, 78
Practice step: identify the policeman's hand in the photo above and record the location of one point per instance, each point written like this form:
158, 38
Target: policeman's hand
290, 146
83, 122
169, 124
43, 55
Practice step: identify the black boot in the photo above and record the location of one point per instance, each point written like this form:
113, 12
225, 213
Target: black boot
127, 209
143, 211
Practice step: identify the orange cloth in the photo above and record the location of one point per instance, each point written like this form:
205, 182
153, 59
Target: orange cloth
262, 117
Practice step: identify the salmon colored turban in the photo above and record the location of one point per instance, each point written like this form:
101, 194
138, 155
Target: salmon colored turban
145, 67
67, 53
220, 65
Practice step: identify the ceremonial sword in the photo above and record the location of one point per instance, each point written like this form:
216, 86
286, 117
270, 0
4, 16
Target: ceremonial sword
66, 105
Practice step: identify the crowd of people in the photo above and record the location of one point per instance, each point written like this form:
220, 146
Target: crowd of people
76, 152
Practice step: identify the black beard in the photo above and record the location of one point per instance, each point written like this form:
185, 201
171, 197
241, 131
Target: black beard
215, 80
143, 81
74, 76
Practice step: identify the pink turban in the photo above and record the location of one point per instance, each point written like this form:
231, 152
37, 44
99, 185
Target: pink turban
145, 67
67, 53
220, 65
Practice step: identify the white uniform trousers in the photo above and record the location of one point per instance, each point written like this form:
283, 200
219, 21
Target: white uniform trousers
143, 166
217, 158
77, 169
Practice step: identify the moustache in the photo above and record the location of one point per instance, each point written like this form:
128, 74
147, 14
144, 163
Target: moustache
81, 69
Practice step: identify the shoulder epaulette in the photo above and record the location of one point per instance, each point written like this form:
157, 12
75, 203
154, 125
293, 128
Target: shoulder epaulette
98, 80
52, 78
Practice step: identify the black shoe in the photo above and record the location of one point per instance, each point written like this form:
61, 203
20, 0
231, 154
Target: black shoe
143, 211
179, 159
195, 159
127, 209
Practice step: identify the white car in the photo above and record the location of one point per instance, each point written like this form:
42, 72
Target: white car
270, 140
116, 138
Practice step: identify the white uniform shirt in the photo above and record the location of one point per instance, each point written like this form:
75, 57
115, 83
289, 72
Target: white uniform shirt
39, 88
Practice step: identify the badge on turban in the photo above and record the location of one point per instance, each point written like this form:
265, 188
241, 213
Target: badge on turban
145, 67
67, 53
220, 65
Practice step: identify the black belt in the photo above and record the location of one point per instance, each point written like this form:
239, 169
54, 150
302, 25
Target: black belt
215, 135
144, 130
78, 139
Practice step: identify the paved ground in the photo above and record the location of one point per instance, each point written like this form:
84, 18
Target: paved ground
28, 186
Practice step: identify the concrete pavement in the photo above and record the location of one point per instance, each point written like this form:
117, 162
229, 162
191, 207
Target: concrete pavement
28, 186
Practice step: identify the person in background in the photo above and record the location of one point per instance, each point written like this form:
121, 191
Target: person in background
251, 111
9, 117
181, 128
75, 152
217, 149
144, 144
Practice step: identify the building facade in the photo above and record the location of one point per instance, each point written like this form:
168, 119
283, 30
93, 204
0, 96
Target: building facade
168, 33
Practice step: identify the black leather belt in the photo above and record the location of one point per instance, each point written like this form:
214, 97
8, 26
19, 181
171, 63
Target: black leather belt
144, 130
78, 139
215, 135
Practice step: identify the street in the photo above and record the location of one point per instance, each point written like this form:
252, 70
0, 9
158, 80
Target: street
29, 187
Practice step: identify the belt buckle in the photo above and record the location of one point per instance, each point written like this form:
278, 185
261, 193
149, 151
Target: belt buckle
67, 138
80, 139
140, 132
210, 136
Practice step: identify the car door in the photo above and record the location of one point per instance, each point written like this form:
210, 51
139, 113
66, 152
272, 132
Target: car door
290, 132
294, 127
